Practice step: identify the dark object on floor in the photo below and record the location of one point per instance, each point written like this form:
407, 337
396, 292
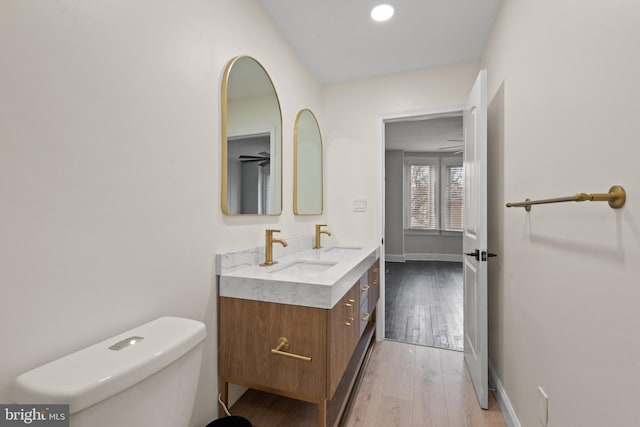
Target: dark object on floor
230, 421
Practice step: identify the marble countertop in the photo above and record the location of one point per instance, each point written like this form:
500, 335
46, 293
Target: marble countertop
343, 267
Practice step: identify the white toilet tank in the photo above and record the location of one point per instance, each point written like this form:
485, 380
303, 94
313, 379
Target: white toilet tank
146, 376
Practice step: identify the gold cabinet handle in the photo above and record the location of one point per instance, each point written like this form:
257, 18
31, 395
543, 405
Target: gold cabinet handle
365, 316
351, 316
364, 288
375, 275
283, 346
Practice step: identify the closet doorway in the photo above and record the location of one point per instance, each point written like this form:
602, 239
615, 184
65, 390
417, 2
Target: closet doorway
424, 178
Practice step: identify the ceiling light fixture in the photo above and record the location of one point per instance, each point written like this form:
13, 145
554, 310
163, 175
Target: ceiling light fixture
382, 12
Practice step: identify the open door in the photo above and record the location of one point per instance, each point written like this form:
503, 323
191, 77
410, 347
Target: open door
474, 241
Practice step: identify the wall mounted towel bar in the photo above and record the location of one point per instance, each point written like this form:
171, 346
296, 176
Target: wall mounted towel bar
616, 198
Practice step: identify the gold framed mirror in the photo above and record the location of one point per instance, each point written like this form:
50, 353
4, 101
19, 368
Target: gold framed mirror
307, 165
251, 155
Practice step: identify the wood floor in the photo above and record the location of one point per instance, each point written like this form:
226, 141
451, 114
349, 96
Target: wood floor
415, 386
424, 303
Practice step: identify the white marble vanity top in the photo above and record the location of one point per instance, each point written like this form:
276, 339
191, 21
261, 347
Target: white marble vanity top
311, 278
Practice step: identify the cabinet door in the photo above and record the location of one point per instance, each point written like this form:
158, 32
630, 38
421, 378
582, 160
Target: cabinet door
250, 329
343, 334
364, 311
374, 285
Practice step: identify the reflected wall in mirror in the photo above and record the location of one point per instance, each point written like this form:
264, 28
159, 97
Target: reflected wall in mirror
307, 165
251, 140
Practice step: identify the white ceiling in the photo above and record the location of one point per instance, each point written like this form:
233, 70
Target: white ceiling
339, 42
435, 135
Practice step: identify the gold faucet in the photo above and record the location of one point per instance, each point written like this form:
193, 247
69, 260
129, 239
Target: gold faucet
268, 235
318, 233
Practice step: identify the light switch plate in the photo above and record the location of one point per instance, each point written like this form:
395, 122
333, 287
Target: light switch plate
360, 205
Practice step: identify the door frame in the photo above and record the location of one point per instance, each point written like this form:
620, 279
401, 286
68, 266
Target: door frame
383, 119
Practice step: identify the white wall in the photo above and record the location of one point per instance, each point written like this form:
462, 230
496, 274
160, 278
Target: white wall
393, 207
354, 111
109, 168
564, 292
440, 247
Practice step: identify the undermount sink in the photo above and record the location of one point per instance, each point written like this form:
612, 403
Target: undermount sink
343, 249
304, 268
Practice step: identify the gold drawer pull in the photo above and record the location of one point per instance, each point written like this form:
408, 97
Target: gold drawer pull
283, 346
364, 288
365, 317
351, 315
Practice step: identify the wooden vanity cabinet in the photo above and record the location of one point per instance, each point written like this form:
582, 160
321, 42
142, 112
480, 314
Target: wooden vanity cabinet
249, 330
344, 332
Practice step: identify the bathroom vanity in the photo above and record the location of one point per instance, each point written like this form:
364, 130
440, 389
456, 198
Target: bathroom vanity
294, 329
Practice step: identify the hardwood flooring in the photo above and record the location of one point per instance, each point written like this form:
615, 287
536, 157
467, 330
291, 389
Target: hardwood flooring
403, 385
424, 303
414, 386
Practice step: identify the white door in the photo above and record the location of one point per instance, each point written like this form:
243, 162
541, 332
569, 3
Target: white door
474, 240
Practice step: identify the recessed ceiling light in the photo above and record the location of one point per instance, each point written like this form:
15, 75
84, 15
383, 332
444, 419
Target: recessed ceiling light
382, 12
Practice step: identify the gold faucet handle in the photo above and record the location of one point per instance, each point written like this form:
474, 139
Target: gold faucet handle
269, 233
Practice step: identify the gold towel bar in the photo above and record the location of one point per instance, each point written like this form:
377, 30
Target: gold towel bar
616, 198
283, 346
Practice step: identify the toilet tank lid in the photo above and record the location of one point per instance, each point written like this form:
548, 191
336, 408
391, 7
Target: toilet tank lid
90, 375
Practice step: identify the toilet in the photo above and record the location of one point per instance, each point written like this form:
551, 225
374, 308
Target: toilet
146, 376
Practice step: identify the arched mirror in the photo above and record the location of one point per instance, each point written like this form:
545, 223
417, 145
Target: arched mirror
251, 140
307, 165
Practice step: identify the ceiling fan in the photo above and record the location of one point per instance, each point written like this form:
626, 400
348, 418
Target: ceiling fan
263, 157
453, 149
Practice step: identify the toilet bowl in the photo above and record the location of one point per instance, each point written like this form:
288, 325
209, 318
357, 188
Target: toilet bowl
146, 376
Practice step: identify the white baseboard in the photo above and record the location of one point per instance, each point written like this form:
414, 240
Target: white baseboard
423, 257
434, 257
394, 258
509, 414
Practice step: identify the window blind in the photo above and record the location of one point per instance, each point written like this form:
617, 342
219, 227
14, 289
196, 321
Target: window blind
423, 196
453, 199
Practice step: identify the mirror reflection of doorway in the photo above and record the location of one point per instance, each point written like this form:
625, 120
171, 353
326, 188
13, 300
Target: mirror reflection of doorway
424, 178
250, 182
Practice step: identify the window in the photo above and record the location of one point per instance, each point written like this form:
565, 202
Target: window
434, 196
452, 194
422, 212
